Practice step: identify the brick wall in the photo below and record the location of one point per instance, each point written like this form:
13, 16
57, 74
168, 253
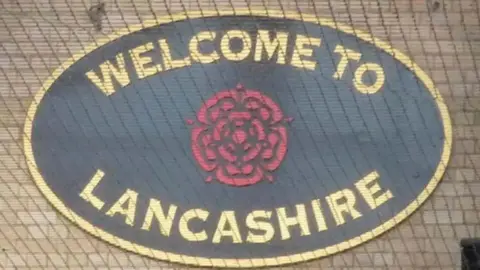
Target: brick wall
37, 35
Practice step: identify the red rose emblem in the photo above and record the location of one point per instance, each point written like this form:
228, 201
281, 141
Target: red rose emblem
240, 137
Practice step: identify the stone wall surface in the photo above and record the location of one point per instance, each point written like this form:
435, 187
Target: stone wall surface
37, 35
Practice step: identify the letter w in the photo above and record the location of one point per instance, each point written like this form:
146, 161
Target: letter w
108, 70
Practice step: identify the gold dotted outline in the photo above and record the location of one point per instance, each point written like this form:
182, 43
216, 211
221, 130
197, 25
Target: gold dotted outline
232, 262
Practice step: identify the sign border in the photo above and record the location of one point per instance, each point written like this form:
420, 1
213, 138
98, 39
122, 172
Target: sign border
233, 262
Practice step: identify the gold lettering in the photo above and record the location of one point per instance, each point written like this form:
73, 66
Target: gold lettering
300, 50
227, 218
140, 61
195, 52
168, 62
130, 198
183, 225
346, 54
108, 70
265, 226
319, 217
339, 208
286, 222
87, 192
379, 80
263, 41
246, 45
164, 221
369, 192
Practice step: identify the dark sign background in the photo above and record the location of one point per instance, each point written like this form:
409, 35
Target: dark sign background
139, 137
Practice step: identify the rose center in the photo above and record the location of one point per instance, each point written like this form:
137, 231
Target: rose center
239, 136
242, 142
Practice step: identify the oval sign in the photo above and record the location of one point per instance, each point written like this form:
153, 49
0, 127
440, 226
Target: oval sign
238, 139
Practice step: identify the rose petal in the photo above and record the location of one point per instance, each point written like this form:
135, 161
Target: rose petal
210, 154
207, 139
273, 139
247, 169
259, 128
252, 153
217, 130
228, 105
226, 155
267, 154
264, 113
252, 105
232, 170
214, 114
